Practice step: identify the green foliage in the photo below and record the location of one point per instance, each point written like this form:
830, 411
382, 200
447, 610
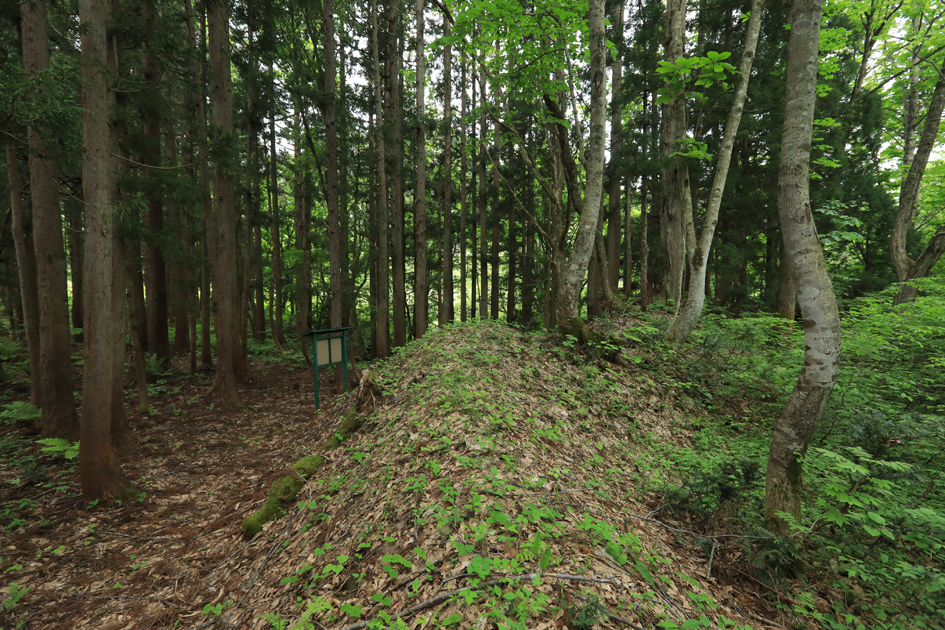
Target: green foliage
720, 482
19, 411
587, 616
59, 447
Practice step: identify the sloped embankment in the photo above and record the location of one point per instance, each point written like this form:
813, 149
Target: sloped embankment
492, 486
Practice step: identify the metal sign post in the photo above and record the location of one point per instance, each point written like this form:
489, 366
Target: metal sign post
329, 347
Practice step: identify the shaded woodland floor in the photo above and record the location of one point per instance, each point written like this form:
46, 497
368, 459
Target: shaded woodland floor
485, 444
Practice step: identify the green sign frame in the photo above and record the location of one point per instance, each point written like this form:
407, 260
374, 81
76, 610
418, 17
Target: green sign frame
329, 347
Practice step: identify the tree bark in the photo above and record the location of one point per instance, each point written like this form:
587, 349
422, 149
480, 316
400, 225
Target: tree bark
483, 216
275, 227
383, 310
26, 268
303, 229
329, 113
226, 298
421, 311
76, 246
446, 311
155, 270
616, 143
102, 401
786, 295
688, 316
206, 207
60, 418
801, 415
462, 191
907, 269
572, 276
395, 155
677, 204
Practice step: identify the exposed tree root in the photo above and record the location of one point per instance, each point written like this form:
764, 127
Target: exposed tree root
577, 328
285, 487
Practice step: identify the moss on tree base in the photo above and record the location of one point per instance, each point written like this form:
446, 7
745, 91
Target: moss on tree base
286, 487
577, 328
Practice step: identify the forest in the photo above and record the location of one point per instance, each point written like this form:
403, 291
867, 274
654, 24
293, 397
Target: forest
644, 311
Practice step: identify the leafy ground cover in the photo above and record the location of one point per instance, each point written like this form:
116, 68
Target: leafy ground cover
507, 480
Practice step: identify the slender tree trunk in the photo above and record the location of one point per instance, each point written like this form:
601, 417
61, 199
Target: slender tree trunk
179, 287
644, 249
206, 207
395, 154
462, 190
275, 227
76, 233
60, 418
421, 311
329, 113
383, 310
616, 143
102, 401
801, 415
907, 269
688, 316
26, 267
474, 267
483, 216
226, 298
447, 271
155, 271
572, 276
628, 252
303, 229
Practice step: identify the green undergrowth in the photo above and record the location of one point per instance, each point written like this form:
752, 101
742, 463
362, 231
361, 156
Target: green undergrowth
497, 474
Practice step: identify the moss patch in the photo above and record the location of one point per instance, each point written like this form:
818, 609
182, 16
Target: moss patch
286, 487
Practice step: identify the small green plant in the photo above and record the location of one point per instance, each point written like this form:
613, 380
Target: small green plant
19, 411
14, 595
588, 615
59, 447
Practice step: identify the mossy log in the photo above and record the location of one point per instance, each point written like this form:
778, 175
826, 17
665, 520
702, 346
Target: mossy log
285, 488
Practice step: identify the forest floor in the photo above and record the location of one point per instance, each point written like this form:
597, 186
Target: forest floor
494, 459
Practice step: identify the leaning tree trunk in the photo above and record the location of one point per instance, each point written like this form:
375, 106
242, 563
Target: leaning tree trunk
102, 401
223, 225
26, 267
799, 419
907, 269
60, 418
572, 276
688, 316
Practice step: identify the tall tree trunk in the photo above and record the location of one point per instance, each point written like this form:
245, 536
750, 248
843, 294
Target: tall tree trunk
76, 233
275, 227
474, 266
303, 230
572, 276
26, 267
179, 287
446, 314
60, 418
421, 311
616, 143
102, 400
155, 270
226, 298
677, 203
644, 248
483, 216
329, 112
688, 316
395, 154
628, 251
801, 415
907, 269
203, 173
462, 191
252, 204
383, 310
